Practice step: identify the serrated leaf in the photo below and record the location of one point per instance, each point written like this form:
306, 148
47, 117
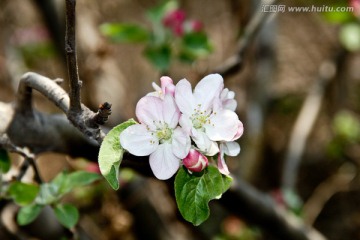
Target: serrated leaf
77, 179
23, 193
28, 214
194, 191
111, 153
5, 162
124, 32
67, 214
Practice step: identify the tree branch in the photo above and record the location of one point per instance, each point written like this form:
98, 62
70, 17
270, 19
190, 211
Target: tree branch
234, 63
70, 49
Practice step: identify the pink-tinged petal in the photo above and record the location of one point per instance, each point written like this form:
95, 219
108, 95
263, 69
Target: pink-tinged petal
195, 161
204, 144
184, 97
163, 162
180, 143
137, 140
167, 85
171, 113
239, 131
230, 104
223, 125
186, 123
230, 148
149, 110
208, 89
222, 164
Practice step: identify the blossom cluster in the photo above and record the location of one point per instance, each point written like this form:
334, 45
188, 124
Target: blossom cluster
176, 21
180, 126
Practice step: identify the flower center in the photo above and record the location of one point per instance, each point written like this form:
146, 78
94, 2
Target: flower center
164, 133
199, 118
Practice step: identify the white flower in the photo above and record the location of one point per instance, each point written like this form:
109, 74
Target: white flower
157, 135
203, 116
167, 87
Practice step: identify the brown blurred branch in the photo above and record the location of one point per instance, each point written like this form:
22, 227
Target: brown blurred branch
306, 120
234, 63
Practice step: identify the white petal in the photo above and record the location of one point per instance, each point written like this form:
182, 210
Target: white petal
167, 85
207, 90
230, 148
186, 123
138, 140
204, 144
222, 164
171, 113
184, 97
230, 104
240, 131
149, 110
180, 143
223, 126
163, 162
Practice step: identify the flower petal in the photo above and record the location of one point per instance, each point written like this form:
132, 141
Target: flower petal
163, 162
184, 97
222, 164
149, 110
185, 123
239, 132
207, 90
180, 143
138, 140
223, 125
230, 148
171, 113
203, 142
167, 86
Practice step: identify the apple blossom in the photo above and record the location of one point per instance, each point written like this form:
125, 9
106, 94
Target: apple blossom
195, 161
166, 87
157, 135
203, 116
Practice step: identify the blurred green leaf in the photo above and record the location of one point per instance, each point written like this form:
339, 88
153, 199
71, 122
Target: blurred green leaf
48, 194
67, 214
23, 193
111, 154
193, 46
77, 179
159, 56
157, 13
347, 126
5, 162
350, 36
194, 191
28, 214
124, 32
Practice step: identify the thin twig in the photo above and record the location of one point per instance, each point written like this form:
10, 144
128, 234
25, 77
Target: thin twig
305, 122
70, 49
235, 62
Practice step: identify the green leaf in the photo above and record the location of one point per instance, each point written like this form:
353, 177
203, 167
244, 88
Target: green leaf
194, 191
159, 56
67, 214
48, 194
28, 214
124, 32
197, 43
350, 36
5, 162
157, 13
77, 179
23, 193
111, 154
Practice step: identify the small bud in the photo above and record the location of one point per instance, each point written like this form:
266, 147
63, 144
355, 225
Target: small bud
195, 161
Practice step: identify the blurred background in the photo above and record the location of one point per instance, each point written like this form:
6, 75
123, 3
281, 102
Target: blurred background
295, 73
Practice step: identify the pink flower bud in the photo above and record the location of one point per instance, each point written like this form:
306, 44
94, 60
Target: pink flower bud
196, 26
175, 20
355, 4
195, 161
